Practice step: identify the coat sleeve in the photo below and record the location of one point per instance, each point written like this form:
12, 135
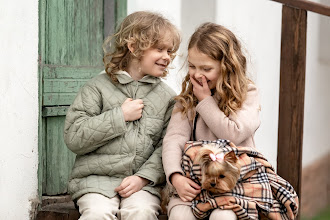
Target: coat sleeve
152, 169
178, 133
87, 127
237, 127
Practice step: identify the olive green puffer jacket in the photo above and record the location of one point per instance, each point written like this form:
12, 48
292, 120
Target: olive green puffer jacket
108, 148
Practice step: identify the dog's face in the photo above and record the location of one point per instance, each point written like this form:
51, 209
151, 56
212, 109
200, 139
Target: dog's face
220, 171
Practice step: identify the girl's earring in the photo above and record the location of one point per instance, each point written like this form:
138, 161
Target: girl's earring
140, 69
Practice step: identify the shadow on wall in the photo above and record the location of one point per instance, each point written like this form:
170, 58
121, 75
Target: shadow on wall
315, 189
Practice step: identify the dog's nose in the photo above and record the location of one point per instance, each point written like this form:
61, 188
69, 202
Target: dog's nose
212, 184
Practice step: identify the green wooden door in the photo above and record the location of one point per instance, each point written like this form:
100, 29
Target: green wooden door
71, 33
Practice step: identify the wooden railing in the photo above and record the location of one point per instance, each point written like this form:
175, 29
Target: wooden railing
292, 87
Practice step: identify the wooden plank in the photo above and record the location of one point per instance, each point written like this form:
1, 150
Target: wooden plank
41, 137
56, 99
76, 38
63, 85
307, 5
70, 72
54, 111
59, 158
109, 18
42, 159
292, 94
120, 10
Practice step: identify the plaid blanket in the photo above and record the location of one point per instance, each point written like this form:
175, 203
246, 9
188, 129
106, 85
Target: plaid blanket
259, 192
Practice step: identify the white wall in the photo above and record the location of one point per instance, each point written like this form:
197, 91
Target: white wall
258, 25
317, 94
18, 107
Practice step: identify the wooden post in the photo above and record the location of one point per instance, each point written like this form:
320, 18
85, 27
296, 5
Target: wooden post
292, 94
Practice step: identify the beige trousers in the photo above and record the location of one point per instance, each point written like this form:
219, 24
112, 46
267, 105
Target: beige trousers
141, 205
184, 212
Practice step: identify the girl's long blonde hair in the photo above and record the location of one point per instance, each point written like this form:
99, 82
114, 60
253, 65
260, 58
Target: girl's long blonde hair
220, 44
144, 30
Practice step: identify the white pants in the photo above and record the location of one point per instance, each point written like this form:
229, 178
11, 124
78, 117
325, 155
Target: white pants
140, 205
184, 212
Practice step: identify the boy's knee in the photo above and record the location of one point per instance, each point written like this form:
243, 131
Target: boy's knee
96, 213
144, 213
147, 212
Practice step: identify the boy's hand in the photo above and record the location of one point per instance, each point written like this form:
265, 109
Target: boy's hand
185, 187
200, 91
132, 109
130, 185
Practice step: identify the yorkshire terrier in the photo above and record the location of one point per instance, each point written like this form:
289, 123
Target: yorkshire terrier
219, 171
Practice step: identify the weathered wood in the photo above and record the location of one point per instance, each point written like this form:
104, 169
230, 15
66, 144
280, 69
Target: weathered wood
109, 18
54, 111
71, 34
51, 99
59, 159
120, 10
70, 72
292, 94
70, 53
74, 32
307, 5
67, 85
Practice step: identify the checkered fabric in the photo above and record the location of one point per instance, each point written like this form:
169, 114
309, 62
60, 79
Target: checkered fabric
258, 192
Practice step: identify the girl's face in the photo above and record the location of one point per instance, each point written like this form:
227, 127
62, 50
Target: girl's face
200, 65
155, 60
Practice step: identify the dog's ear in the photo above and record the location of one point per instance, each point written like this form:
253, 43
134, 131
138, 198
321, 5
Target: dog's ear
202, 156
231, 157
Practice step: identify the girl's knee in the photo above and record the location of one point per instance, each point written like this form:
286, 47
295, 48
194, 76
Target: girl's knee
175, 216
223, 214
181, 212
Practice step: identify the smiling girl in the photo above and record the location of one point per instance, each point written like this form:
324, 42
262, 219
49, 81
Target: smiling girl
217, 101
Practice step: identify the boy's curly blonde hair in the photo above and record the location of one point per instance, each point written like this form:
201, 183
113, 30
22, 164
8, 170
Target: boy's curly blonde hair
220, 44
144, 30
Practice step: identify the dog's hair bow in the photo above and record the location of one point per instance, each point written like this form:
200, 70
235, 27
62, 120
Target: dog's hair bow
218, 157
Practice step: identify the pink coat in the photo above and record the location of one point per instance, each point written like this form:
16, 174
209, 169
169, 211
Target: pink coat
211, 124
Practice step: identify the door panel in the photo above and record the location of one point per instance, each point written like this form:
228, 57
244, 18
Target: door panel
59, 159
71, 33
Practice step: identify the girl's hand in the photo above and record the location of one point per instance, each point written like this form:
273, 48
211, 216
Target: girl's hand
130, 185
132, 109
200, 91
185, 187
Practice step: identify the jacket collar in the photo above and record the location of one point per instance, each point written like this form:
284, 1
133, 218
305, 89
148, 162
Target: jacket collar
124, 78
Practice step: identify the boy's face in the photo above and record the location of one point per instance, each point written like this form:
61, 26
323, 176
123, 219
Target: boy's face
155, 60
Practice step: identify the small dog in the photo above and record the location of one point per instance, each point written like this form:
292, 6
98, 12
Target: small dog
219, 171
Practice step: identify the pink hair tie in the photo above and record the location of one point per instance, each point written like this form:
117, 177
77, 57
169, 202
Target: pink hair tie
218, 157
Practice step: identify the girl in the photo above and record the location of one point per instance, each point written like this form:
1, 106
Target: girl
118, 120
217, 101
